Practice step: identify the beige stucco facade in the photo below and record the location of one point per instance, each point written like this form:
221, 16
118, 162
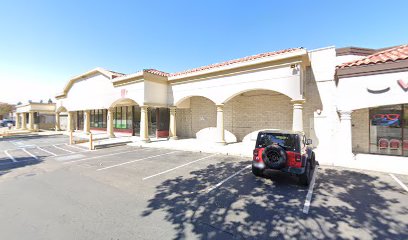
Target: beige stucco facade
34, 116
226, 103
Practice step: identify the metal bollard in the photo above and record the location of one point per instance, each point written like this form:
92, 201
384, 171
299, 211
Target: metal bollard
90, 142
70, 138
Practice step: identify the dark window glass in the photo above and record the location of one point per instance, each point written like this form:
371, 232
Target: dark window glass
386, 130
287, 141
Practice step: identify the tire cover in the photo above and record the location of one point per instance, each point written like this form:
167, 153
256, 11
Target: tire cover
274, 156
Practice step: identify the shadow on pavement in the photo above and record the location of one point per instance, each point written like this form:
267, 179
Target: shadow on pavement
6, 165
346, 205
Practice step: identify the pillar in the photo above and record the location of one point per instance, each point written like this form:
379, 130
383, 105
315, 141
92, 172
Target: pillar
109, 124
18, 125
70, 121
24, 121
220, 125
144, 124
31, 121
297, 121
345, 144
57, 122
173, 125
87, 121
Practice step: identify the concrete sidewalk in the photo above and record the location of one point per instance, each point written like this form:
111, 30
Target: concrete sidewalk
243, 149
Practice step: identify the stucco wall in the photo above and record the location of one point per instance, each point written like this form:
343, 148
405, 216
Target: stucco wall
257, 110
220, 89
360, 131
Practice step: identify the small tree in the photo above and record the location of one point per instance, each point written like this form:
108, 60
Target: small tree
19, 103
5, 108
49, 100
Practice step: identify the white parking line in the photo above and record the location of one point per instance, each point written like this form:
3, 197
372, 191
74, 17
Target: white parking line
228, 178
32, 155
63, 149
399, 182
47, 151
310, 192
9, 156
106, 155
136, 160
169, 170
83, 149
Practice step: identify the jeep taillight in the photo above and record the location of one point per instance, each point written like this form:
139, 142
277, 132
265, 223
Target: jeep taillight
298, 157
257, 154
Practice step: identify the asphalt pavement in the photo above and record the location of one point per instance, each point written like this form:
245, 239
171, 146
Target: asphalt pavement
51, 190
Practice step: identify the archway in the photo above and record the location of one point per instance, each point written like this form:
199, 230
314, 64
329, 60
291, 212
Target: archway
247, 112
196, 118
125, 117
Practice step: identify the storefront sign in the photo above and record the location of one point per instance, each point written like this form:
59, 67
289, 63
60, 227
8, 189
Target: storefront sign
403, 85
123, 93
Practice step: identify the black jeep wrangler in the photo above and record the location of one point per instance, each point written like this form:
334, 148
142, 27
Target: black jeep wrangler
287, 151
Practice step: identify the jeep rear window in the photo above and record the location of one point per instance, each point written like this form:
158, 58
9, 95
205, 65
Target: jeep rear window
287, 141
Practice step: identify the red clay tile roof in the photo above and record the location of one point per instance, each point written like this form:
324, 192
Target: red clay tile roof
388, 55
156, 72
239, 60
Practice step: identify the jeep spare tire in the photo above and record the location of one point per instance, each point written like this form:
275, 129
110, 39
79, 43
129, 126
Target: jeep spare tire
274, 156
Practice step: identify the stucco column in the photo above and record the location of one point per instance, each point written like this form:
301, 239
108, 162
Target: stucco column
297, 121
57, 122
31, 121
144, 124
345, 144
109, 124
23, 120
173, 125
87, 121
70, 121
18, 121
220, 124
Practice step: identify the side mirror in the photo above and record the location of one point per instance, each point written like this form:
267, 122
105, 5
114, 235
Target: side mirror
309, 142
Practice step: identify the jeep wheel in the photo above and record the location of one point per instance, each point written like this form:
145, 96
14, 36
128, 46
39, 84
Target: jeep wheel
306, 177
257, 172
274, 156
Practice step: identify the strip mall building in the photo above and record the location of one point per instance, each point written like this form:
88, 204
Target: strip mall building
347, 100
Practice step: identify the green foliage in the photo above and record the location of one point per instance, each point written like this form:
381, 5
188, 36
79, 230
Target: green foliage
5, 108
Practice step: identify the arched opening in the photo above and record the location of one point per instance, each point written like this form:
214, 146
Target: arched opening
246, 113
125, 117
197, 118
61, 119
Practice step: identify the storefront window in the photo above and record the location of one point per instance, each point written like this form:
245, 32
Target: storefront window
386, 130
80, 120
98, 118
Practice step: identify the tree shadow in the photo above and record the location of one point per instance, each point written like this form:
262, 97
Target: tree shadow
346, 205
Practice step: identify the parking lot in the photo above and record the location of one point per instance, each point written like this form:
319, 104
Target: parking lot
50, 190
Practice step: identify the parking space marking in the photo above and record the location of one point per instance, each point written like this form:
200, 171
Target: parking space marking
136, 160
228, 178
47, 151
399, 182
9, 156
63, 149
169, 170
106, 155
310, 192
32, 155
83, 149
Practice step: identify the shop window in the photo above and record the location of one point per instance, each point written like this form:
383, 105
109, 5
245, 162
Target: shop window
386, 130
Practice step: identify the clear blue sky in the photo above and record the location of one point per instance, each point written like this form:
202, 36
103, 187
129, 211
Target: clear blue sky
47, 42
